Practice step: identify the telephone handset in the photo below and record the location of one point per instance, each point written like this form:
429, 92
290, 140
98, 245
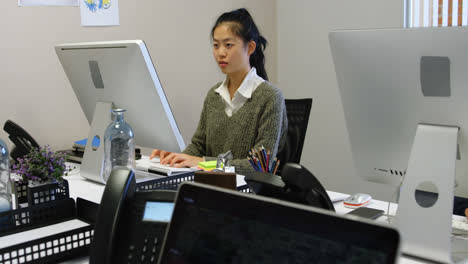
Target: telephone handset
119, 188
130, 226
22, 140
301, 181
296, 184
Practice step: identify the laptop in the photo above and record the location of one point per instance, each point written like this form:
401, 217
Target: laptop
216, 225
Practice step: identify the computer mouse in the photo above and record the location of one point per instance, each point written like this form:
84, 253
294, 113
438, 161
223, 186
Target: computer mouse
357, 200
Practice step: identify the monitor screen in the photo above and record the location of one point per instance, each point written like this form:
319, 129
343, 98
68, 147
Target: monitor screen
217, 225
158, 211
391, 80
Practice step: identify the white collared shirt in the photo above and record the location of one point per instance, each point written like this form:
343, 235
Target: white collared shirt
247, 87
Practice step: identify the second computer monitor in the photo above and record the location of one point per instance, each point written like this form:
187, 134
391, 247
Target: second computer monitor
391, 80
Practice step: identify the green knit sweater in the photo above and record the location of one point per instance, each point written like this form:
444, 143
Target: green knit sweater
261, 121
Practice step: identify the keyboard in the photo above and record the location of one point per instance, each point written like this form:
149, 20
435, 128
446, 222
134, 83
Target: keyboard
459, 225
153, 166
166, 169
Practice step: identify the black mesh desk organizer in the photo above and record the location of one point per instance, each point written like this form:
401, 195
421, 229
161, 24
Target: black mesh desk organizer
65, 245
172, 183
42, 193
51, 205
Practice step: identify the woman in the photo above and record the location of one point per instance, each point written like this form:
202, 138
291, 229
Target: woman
242, 112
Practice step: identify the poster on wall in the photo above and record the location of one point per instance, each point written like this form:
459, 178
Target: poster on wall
99, 12
48, 2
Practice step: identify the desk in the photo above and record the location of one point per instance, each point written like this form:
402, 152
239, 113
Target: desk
80, 187
92, 191
458, 244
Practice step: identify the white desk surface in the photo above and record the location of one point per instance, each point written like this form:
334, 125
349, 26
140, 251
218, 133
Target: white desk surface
81, 187
92, 191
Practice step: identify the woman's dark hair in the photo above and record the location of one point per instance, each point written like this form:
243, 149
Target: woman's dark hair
243, 26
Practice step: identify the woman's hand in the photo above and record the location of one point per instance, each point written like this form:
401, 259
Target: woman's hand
161, 153
466, 214
179, 160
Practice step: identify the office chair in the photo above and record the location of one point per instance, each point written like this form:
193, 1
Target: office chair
298, 112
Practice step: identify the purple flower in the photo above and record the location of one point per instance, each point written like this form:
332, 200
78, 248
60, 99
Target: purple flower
41, 164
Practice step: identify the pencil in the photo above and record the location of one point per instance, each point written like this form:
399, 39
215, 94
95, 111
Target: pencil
268, 160
251, 163
259, 165
260, 159
276, 166
273, 163
264, 158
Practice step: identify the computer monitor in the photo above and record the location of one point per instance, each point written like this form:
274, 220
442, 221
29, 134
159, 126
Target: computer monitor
391, 80
119, 74
404, 95
216, 225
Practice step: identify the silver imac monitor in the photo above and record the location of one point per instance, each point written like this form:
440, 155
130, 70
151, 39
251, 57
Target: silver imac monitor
119, 74
405, 100
391, 80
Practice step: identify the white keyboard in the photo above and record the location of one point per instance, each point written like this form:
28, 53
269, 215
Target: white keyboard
154, 166
165, 167
459, 225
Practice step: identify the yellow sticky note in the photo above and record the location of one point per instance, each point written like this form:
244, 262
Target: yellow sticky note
207, 165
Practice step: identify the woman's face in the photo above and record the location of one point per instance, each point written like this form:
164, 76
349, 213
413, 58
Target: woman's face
230, 51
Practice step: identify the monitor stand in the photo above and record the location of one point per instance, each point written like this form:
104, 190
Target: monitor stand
92, 165
426, 231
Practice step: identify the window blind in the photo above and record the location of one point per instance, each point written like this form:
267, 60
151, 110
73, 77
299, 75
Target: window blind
436, 13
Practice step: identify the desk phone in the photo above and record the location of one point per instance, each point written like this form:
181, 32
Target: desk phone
130, 226
145, 223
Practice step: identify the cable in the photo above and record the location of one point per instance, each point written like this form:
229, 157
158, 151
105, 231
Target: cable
396, 196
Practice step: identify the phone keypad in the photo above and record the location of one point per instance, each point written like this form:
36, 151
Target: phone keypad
144, 238
148, 250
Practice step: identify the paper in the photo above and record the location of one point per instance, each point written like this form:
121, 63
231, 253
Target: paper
99, 12
48, 2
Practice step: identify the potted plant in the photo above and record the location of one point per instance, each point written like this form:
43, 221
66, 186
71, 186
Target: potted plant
42, 165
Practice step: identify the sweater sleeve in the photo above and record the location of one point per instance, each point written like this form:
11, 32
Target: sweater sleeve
198, 145
273, 124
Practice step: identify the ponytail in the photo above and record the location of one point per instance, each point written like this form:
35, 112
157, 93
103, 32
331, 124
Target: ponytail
243, 26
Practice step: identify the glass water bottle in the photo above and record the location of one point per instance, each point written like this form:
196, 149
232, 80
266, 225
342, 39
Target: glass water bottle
5, 181
119, 145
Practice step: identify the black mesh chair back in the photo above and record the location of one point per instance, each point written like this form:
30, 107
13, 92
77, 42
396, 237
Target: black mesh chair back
298, 112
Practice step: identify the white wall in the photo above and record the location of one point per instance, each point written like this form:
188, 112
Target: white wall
36, 93
306, 69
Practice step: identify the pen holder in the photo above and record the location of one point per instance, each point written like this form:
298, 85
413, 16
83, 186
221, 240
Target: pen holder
263, 183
